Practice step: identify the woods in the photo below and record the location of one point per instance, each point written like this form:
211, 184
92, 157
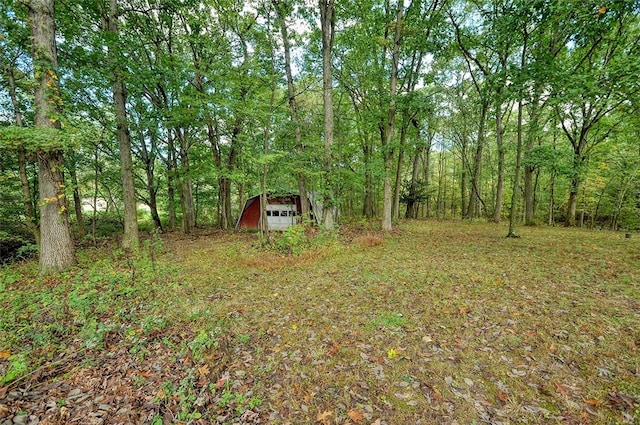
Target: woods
524, 111
451, 152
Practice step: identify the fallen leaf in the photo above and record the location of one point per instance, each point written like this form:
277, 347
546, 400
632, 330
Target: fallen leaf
145, 374
593, 402
204, 370
375, 359
324, 416
561, 388
335, 348
5, 354
355, 415
621, 401
502, 396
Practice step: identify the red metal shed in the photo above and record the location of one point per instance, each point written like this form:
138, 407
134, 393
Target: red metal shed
283, 211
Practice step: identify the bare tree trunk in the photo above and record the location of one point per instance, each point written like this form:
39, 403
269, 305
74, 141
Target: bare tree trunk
56, 244
474, 197
327, 23
441, 184
130, 238
293, 107
574, 189
412, 203
427, 174
529, 206
186, 192
497, 212
368, 206
148, 157
77, 200
516, 178
29, 210
171, 183
398, 181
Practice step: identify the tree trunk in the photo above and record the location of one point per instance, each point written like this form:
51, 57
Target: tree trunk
77, 200
427, 173
368, 206
474, 197
186, 191
171, 183
463, 175
148, 159
516, 178
224, 199
412, 202
293, 109
56, 250
327, 23
29, 210
578, 162
130, 238
497, 212
56, 244
572, 206
441, 184
27, 200
529, 204
398, 182
389, 127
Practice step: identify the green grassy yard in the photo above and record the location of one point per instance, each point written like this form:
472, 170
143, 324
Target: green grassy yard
437, 322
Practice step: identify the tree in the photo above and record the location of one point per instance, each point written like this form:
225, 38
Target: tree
327, 24
591, 82
12, 51
130, 237
280, 8
56, 245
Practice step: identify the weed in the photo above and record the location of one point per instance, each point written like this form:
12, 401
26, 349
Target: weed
243, 339
393, 320
202, 343
293, 240
18, 366
92, 333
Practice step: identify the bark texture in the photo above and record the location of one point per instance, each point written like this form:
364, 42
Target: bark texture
327, 23
56, 245
130, 237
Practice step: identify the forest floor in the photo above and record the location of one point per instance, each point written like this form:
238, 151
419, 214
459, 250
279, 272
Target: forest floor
434, 323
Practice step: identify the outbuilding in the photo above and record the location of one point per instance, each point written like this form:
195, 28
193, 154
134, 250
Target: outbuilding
282, 212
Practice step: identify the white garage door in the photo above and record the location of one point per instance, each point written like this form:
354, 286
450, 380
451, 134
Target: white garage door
280, 217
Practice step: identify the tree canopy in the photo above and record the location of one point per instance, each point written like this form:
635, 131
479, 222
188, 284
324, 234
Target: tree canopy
429, 108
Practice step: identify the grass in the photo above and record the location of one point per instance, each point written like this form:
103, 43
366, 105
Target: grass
434, 323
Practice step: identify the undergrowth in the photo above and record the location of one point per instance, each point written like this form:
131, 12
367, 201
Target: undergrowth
436, 322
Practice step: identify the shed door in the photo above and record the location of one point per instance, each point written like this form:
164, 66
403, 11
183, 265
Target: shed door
281, 216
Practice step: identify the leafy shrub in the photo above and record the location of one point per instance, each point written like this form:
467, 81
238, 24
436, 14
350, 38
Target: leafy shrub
293, 240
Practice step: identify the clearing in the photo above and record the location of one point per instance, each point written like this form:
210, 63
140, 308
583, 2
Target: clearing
437, 322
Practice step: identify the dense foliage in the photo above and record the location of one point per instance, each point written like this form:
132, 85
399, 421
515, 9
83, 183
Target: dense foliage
443, 99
